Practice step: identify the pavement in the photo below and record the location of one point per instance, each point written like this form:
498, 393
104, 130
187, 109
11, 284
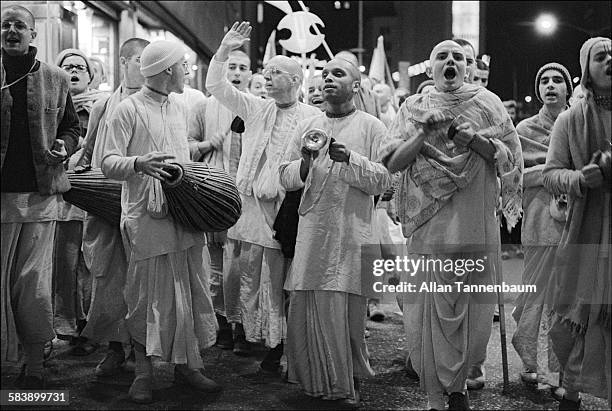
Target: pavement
244, 389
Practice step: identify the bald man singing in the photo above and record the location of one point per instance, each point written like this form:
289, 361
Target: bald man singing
452, 144
326, 349
252, 253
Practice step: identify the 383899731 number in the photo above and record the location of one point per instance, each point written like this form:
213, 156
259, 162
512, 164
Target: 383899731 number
34, 397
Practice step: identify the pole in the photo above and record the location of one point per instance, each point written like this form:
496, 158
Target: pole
499, 278
316, 29
360, 35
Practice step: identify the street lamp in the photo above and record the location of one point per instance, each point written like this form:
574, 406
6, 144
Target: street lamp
546, 24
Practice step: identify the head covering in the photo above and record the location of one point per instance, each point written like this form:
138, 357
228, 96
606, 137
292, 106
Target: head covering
64, 54
160, 55
557, 67
585, 55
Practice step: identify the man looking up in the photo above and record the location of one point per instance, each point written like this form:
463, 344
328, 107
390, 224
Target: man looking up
446, 205
36, 140
544, 216
166, 292
215, 136
254, 255
326, 350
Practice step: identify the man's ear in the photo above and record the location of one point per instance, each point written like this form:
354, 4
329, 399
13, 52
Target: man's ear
34, 34
122, 60
356, 86
169, 70
429, 72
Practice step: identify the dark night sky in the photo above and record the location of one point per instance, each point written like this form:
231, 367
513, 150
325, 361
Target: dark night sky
518, 47
513, 45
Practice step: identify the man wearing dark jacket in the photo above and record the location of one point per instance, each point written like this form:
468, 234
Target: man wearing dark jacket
40, 129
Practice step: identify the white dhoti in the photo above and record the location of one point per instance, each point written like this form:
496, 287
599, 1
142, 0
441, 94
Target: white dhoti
169, 310
261, 274
326, 345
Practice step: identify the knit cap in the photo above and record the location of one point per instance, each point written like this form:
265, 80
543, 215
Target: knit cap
64, 54
585, 54
160, 55
557, 67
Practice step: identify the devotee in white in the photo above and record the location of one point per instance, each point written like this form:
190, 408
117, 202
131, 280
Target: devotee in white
170, 313
252, 252
326, 351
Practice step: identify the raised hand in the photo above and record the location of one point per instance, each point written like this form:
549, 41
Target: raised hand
153, 164
236, 36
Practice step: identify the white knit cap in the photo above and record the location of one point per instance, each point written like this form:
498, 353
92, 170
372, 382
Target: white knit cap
160, 55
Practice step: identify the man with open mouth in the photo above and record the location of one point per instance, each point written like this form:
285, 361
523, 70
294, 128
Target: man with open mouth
446, 205
215, 137
542, 224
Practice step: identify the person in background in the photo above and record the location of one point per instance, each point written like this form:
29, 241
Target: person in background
544, 216
387, 111
315, 92
99, 73
481, 73
103, 250
257, 86
36, 140
470, 59
511, 107
72, 281
215, 137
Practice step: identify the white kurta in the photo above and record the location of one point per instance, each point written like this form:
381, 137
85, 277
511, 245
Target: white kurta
326, 346
167, 296
337, 204
253, 255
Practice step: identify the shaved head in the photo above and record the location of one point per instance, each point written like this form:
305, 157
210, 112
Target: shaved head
19, 9
287, 64
442, 44
240, 54
348, 56
132, 47
351, 69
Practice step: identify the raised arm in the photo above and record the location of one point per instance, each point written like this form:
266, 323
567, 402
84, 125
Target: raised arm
217, 84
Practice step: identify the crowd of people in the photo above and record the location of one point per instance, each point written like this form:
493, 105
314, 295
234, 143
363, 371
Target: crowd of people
435, 173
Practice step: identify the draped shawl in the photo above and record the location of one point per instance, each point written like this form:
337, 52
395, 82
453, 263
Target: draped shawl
441, 168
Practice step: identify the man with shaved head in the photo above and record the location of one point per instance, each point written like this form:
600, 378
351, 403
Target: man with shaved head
103, 250
326, 349
253, 256
452, 145
364, 99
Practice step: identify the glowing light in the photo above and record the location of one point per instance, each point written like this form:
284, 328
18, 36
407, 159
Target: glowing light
546, 24
527, 99
337, 5
194, 67
395, 76
576, 80
362, 69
